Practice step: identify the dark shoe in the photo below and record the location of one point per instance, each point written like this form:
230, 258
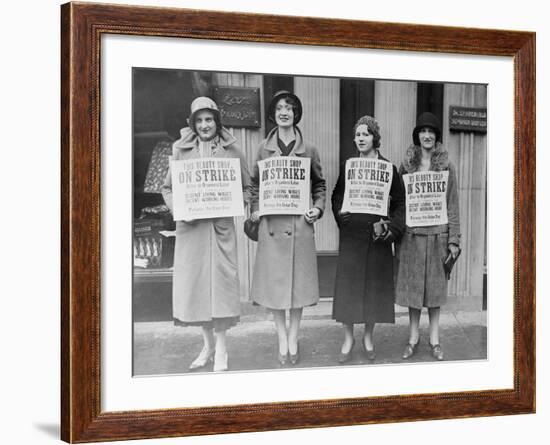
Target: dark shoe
295, 358
370, 354
283, 359
346, 356
410, 350
437, 353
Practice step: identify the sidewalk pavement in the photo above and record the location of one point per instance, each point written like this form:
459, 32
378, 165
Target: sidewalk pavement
162, 348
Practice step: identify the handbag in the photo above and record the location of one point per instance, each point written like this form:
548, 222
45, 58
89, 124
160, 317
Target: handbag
251, 229
449, 262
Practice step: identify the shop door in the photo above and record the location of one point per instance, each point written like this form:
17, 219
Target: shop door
356, 100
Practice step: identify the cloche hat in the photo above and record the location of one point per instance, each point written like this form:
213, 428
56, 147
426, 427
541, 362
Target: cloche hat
281, 95
203, 103
430, 120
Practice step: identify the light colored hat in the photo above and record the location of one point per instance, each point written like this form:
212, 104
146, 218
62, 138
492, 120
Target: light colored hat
203, 103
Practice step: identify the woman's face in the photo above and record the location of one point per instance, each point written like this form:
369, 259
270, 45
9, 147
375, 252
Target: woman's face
363, 139
205, 125
284, 114
426, 136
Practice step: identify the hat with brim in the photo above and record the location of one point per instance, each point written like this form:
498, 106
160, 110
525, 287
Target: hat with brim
282, 95
429, 120
200, 104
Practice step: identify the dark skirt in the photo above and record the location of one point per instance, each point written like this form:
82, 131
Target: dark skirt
364, 290
421, 280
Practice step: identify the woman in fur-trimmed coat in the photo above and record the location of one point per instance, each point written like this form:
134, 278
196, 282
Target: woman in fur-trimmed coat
421, 279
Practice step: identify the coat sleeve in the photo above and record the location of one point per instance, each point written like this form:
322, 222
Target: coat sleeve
254, 182
452, 207
166, 188
337, 198
318, 183
397, 205
245, 173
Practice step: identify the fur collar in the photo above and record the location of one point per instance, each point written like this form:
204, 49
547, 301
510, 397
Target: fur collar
439, 160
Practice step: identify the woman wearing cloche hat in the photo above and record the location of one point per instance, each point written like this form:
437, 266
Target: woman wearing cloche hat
285, 272
206, 284
421, 278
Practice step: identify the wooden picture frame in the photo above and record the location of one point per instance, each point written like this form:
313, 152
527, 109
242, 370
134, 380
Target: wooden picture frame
82, 26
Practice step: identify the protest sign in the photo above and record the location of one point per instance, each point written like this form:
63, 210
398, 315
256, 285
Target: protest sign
207, 188
368, 184
426, 198
284, 185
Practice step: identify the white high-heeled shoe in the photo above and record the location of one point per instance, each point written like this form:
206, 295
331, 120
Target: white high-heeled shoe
205, 357
220, 363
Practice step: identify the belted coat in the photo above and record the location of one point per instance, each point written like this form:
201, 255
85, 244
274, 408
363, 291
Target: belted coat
205, 281
285, 271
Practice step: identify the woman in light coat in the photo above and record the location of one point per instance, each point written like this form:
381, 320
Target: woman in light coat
205, 282
285, 272
421, 279
364, 290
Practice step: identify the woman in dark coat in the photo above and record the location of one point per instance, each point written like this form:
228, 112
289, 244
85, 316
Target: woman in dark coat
285, 271
421, 279
364, 279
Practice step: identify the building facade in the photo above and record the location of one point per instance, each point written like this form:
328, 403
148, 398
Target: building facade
331, 106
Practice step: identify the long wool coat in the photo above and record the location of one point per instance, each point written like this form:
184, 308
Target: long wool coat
285, 272
364, 289
421, 280
205, 282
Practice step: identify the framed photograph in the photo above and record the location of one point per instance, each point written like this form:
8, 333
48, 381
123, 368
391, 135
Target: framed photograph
257, 209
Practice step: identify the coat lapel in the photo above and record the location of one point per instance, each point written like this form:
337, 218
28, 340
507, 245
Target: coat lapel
272, 146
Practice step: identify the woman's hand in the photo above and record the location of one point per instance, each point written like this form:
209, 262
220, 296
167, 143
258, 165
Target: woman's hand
454, 249
312, 215
379, 229
189, 221
255, 216
382, 231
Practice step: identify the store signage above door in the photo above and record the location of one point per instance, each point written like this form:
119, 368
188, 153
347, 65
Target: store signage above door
468, 119
239, 106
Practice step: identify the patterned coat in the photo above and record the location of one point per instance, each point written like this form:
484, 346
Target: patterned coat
421, 280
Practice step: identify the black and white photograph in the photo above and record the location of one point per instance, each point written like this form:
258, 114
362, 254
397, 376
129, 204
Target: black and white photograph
286, 222
279, 222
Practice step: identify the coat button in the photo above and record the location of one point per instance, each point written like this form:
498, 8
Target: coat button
271, 233
288, 232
